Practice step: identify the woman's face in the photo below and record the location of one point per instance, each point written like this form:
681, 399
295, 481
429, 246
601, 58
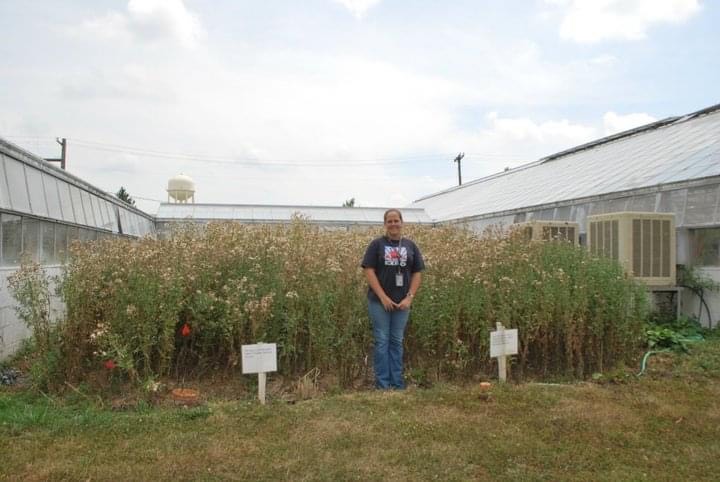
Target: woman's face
393, 225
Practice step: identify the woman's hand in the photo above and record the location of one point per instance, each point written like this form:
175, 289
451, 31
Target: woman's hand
387, 303
404, 304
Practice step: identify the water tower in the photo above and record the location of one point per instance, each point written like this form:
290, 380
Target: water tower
181, 188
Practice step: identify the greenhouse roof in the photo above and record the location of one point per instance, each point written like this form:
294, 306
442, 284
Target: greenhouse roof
669, 151
261, 213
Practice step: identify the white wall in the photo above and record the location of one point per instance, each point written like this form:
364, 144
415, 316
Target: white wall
691, 302
12, 329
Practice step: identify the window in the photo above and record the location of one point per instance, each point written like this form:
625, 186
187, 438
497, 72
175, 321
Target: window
61, 243
87, 235
37, 192
111, 218
16, 184
96, 204
11, 239
47, 251
72, 236
53, 197
87, 206
4, 196
78, 205
705, 247
66, 202
31, 238
701, 202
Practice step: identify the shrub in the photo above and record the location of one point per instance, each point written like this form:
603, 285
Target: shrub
302, 287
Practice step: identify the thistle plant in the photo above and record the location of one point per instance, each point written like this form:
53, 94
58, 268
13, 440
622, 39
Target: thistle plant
301, 287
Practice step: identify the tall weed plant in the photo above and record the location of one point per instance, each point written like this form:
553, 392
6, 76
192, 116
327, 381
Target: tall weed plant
302, 287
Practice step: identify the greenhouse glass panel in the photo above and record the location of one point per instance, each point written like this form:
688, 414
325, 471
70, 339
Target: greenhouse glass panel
87, 206
11, 239
136, 223
98, 211
16, 185
124, 220
31, 238
673, 202
112, 217
61, 243
37, 192
563, 213
78, 205
73, 236
546, 214
53, 197
705, 247
4, 195
644, 204
66, 202
701, 204
47, 248
87, 235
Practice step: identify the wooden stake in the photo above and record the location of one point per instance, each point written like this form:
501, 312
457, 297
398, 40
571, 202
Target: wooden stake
261, 387
502, 366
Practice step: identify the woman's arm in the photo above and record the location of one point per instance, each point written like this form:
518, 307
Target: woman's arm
414, 286
374, 283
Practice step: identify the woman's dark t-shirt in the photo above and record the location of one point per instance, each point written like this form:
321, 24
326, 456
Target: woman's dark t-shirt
387, 258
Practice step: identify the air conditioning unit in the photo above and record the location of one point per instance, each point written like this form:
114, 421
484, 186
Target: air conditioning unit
644, 243
550, 231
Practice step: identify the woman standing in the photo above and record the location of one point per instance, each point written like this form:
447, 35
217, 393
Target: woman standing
392, 266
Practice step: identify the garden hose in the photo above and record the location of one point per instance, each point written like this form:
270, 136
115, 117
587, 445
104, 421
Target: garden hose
643, 365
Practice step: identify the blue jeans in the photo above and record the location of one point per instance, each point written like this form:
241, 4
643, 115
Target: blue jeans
388, 331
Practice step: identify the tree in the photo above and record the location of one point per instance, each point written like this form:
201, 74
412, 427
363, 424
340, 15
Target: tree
123, 195
350, 203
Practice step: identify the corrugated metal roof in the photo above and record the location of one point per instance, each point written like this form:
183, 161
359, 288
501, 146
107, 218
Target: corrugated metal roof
669, 151
269, 213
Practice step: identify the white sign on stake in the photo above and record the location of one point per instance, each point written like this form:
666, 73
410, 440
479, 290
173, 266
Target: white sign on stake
259, 358
502, 344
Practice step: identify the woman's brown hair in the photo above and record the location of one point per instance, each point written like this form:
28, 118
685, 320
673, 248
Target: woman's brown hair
392, 210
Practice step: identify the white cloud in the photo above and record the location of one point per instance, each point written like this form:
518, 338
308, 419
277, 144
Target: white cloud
605, 59
122, 82
358, 7
592, 21
149, 20
614, 123
549, 132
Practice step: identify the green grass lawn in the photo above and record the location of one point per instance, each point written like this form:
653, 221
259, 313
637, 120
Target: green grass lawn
664, 426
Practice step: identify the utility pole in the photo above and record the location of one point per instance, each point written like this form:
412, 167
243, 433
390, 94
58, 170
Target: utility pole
458, 159
63, 153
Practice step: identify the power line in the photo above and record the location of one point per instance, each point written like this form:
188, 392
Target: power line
474, 158
256, 161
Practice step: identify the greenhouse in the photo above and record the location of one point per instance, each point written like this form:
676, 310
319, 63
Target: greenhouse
329, 217
668, 167
43, 209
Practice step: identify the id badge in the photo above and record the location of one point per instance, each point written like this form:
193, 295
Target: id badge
398, 279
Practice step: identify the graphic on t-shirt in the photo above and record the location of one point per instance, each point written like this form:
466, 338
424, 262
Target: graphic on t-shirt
395, 256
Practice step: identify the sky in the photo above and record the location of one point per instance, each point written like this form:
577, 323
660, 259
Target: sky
316, 102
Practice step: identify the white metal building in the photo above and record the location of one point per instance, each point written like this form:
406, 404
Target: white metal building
670, 166
43, 209
330, 217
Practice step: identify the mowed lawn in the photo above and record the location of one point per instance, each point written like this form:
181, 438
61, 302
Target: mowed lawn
664, 426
